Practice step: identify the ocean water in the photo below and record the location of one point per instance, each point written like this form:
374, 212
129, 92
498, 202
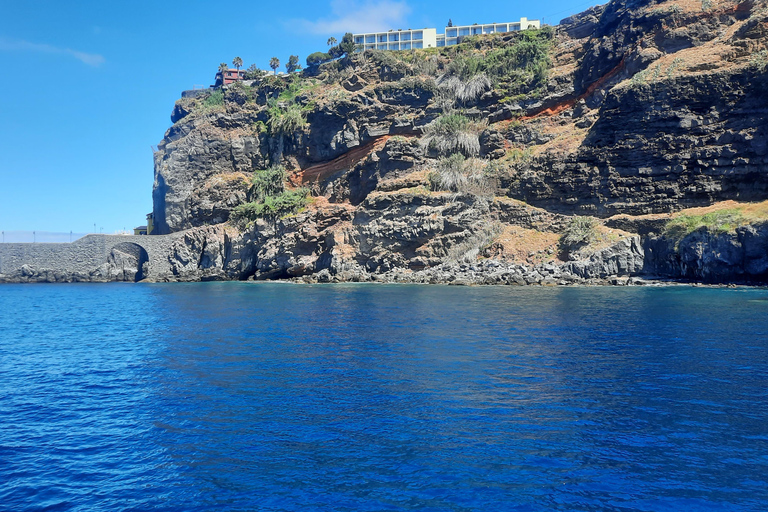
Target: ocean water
242, 396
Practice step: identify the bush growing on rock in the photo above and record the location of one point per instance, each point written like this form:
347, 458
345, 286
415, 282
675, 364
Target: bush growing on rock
285, 120
469, 249
461, 175
268, 182
580, 232
213, 100
453, 133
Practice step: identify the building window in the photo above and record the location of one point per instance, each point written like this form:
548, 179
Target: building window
418, 35
359, 40
451, 32
418, 44
370, 39
464, 31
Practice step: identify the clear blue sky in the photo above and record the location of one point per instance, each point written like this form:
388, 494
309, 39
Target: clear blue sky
88, 86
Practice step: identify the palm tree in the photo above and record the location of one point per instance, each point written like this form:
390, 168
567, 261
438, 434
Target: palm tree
223, 68
331, 41
237, 62
274, 63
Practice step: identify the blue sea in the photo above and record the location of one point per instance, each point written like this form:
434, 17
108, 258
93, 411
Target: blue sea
278, 397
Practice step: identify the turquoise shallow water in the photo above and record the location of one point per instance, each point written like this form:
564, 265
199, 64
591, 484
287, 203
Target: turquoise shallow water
239, 396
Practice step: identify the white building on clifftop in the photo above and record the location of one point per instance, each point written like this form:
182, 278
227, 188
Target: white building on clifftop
429, 38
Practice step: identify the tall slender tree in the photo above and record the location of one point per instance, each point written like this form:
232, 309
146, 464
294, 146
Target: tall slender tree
238, 63
274, 63
293, 64
223, 68
331, 41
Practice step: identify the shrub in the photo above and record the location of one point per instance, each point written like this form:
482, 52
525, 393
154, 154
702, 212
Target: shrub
452, 88
460, 175
213, 100
580, 232
759, 60
469, 249
285, 120
272, 207
453, 133
268, 182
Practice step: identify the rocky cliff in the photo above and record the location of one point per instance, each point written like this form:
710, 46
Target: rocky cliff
478, 163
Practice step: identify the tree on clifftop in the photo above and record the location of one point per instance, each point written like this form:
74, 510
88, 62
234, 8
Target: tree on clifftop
332, 41
274, 63
347, 44
293, 64
223, 68
238, 63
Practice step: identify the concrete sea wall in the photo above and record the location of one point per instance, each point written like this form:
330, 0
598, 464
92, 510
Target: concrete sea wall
91, 258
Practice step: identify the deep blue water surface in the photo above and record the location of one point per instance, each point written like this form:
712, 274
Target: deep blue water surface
238, 396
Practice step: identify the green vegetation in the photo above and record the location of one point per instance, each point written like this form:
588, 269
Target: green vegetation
293, 64
470, 249
460, 175
717, 222
580, 232
519, 67
274, 63
759, 60
214, 100
269, 197
253, 73
272, 207
317, 58
453, 133
346, 47
223, 67
268, 182
238, 63
285, 120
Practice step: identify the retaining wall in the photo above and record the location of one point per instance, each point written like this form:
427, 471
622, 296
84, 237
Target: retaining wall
85, 254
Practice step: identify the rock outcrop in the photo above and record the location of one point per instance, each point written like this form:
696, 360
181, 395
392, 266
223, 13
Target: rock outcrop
643, 107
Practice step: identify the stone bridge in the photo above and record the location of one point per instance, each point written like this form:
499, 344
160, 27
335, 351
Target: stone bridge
91, 258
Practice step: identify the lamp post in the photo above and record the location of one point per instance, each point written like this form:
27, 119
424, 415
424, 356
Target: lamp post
34, 236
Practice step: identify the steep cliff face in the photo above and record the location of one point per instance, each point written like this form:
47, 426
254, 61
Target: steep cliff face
422, 161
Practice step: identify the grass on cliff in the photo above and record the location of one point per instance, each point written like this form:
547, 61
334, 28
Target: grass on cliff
272, 207
269, 197
723, 217
717, 222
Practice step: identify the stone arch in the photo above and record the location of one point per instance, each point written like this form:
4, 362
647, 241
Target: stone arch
128, 261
